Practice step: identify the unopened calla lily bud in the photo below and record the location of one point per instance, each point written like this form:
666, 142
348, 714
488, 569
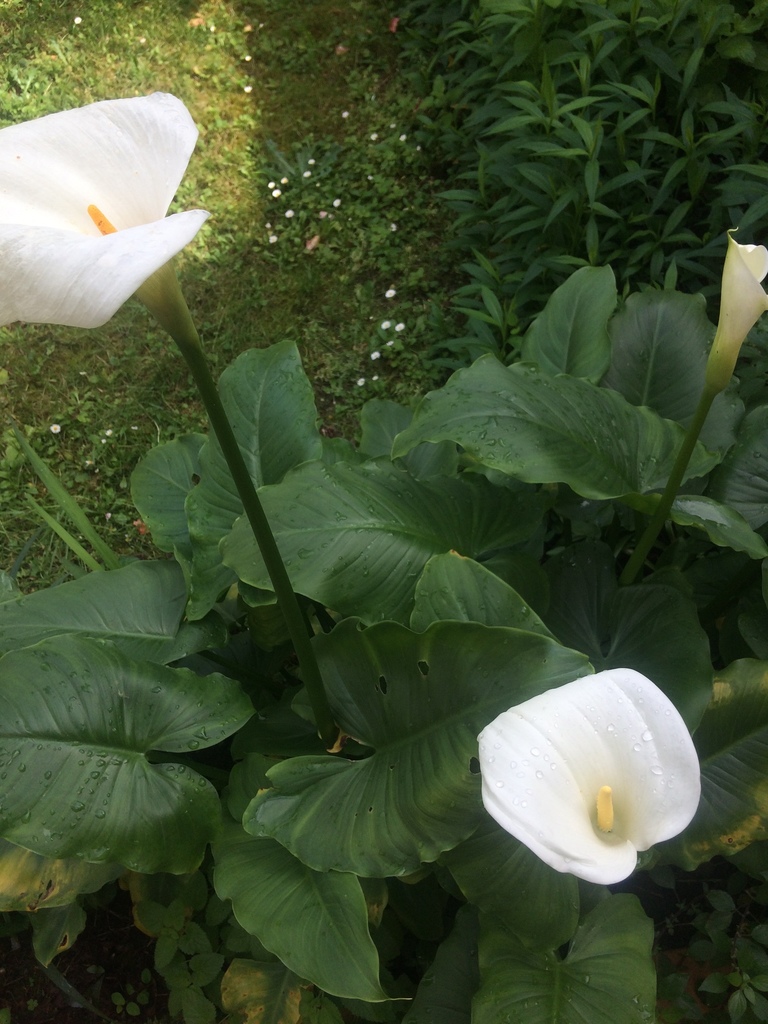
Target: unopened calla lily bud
83, 200
742, 302
587, 774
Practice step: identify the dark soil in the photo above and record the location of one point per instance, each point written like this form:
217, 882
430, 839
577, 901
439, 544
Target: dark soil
107, 958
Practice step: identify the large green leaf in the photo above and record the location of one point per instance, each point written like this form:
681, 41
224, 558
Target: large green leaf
160, 484
502, 877
77, 721
455, 587
445, 993
723, 525
270, 404
660, 341
607, 976
29, 881
732, 743
545, 429
571, 334
356, 537
258, 993
652, 628
138, 608
315, 922
741, 480
380, 423
419, 701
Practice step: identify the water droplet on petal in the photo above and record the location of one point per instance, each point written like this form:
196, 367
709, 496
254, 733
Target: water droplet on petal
647, 736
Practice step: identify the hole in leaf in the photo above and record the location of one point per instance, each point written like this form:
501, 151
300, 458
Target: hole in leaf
383, 684
423, 668
474, 766
195, 478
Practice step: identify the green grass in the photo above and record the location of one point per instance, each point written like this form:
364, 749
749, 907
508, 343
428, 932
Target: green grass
268, 84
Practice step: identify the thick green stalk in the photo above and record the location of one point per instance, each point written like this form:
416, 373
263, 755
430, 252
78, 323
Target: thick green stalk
162, 296
661, 513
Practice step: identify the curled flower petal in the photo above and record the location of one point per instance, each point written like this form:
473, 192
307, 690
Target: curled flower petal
545, 762
125, 158
743, 300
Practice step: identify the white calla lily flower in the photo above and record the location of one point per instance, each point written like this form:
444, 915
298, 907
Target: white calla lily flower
588, 774
83, 200
743, 300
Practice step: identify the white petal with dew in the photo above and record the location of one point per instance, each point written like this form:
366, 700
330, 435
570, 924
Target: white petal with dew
544, 762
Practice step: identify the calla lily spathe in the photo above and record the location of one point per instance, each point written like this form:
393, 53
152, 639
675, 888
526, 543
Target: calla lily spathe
742, 302
589, 773
122, 160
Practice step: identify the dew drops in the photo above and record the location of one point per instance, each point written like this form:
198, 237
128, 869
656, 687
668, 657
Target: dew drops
656, 769
539, 775
647, 736
637, 747
610, 727
535, 751
499, 785
513, 765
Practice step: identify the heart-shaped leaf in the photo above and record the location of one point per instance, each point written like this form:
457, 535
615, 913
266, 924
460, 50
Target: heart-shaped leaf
732, 743
160, 484
570, 335
77, 721
419, 701
652, 628
741, 480
545, 429
315, 922
356, 537
138, 608
607, 976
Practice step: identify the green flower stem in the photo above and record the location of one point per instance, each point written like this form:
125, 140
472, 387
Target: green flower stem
163, 298
661, 513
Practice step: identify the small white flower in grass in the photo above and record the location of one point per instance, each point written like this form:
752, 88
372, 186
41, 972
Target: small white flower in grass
588, 774
108, 433
83, 201
374, 136
393, 227
345, 113
55, 428
390, 343
248, 57
403, 138
272, 239
375, 376
289, 214
393, 125
375, 355
247, 88
337, 203
386, 324
323, 214
78, 21
276, 193
283, 181
360, 382
267, 226
399, 327
103, 440
311, 161
271, 184
307, 174
390, 293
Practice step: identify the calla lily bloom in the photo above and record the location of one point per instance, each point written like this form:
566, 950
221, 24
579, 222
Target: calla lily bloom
589, 773
83, 201
742, 302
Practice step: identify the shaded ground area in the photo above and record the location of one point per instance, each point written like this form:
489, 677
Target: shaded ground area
110, 965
